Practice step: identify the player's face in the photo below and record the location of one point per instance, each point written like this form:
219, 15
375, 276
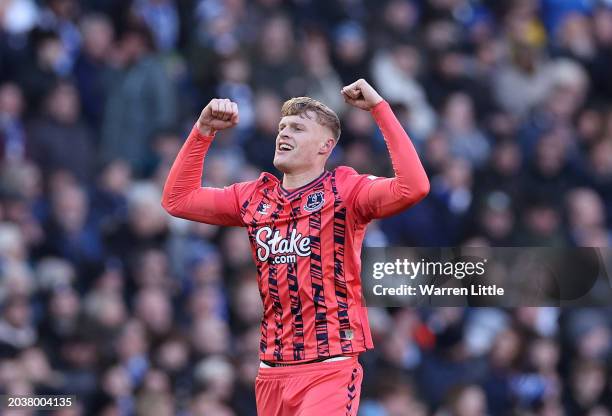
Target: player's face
300, 144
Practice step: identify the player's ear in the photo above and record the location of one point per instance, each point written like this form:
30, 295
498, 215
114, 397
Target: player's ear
327, 146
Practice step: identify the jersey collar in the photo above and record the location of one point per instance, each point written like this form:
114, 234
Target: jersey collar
288, 193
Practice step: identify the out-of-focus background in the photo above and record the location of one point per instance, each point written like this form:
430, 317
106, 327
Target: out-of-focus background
104, 296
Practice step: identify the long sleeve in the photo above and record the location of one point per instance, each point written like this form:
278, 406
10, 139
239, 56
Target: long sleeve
381, 197
183, 195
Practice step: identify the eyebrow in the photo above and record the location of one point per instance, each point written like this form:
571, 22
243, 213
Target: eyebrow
291, 123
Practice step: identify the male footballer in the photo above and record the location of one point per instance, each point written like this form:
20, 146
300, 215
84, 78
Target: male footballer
306, 232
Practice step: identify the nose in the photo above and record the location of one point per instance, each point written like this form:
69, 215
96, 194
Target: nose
283, 132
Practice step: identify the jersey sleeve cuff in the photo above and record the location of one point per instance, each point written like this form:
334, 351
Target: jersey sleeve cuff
196, 135
380, 109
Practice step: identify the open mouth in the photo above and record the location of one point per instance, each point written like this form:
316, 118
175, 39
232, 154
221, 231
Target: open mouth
284, 147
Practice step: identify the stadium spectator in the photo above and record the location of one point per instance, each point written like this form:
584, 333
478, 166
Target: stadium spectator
61, 128
141, 100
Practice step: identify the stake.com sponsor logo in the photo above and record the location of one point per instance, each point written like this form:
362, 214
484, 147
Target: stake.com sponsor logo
283, 249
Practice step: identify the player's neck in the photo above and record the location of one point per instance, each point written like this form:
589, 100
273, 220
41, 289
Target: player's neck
296, 180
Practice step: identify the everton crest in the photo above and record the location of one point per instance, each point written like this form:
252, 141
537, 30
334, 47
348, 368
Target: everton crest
314, 201
263, 208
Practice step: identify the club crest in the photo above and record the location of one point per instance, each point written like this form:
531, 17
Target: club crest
263, 208
314, 201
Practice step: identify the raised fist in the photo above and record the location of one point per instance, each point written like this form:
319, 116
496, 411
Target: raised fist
219, 114
360, 94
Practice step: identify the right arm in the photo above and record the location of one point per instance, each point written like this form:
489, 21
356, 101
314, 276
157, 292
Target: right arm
183, 195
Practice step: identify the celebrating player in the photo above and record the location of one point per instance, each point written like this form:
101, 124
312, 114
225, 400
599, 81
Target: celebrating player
306, 233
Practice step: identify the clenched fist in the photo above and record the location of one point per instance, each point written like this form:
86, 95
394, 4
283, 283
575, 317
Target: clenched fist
360, 94
219, 114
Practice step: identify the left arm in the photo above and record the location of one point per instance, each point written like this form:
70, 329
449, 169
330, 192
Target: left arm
383, 197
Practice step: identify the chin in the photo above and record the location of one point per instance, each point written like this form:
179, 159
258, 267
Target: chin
282, 164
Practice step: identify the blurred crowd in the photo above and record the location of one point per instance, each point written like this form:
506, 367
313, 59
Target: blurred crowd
104, 296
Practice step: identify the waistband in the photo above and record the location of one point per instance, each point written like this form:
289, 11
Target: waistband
307, 368
268, 364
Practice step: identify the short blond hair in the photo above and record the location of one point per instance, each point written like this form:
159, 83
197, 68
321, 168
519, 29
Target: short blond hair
325, 116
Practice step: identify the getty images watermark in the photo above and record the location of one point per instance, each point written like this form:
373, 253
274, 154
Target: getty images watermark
404, 268
487, 276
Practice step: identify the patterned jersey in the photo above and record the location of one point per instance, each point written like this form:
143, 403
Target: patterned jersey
306, 242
